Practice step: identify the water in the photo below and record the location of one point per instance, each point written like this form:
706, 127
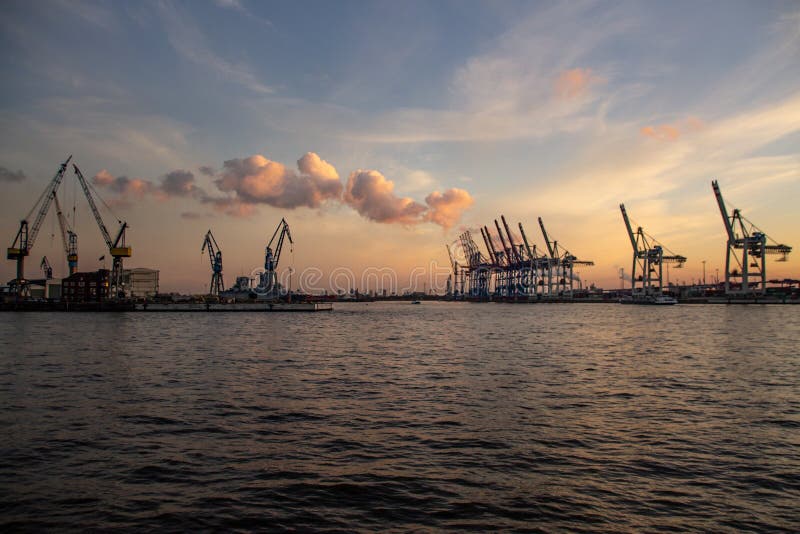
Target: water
400, 417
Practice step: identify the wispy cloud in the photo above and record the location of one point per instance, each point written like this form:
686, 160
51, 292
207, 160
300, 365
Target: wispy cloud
188, 41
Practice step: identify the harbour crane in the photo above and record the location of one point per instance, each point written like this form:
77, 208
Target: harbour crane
116, 247
563, 262
452, 281
68, 238
272, 256
217, 285
46, 269
648, 261
746, 274
26, 236
478, 269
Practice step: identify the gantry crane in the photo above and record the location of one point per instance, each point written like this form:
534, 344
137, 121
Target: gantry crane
116, 247
68, 238
26, 237
478, 269
272, 256
746, 274
217, 285
563, 263
453, 280
648, 261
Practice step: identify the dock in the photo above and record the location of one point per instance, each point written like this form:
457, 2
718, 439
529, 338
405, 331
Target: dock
262, 307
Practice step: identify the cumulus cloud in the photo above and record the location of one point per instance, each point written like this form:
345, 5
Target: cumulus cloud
574, 83
7, 175
445, 209
180, 183
372, 195
258, 180
207, 170
122, 185
671, 132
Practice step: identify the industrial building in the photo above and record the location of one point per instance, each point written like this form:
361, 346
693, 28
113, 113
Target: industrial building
140, 282
86, 287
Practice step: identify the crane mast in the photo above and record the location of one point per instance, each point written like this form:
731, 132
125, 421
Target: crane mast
747, 249
26, 236
217, 285
47, 270
68, 238
116, 247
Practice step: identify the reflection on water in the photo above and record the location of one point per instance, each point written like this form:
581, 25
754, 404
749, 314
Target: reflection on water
444, 415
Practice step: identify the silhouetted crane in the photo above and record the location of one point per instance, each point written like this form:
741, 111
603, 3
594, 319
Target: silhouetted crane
215, 256
23, 242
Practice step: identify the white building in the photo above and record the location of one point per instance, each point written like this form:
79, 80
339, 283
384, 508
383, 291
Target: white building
140, 282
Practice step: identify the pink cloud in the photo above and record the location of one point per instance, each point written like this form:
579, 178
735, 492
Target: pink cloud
574, 83
446, 208
372, 195
258, 180
671, 132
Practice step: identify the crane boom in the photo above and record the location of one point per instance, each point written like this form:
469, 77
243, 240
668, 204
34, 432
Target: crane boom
511, 239
628, 226
488, 247
493, 251
525, 240
546, 239
93, 206
48, 198
509, 257
723, 211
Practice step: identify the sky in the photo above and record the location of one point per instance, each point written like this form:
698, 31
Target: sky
382, 130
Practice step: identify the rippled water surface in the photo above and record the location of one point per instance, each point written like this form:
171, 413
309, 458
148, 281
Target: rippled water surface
399, 417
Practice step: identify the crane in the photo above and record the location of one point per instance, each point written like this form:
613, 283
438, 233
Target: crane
648, 261
563, 261
748, 272
26, 236
116, 247
68, 238
46, 269
272, 256
217, 286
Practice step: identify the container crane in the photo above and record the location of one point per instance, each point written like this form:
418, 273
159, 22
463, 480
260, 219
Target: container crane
116, 247
217, 285
26, 236
563, 262
68, 238
272, 256
648, 261
746, 274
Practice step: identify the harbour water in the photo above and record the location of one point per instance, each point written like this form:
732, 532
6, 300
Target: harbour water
388, 416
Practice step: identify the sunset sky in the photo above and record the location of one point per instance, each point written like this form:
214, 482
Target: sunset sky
381, 130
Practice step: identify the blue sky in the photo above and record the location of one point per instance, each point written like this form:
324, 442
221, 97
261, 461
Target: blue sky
560, 110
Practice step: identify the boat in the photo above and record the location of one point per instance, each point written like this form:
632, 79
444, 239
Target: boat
657, 300
416, 302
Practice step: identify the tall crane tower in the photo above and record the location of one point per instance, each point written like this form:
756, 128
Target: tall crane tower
217, 286
563, 263
648, 261
116, 247
746, 274
272, 256
26, 237
68, 238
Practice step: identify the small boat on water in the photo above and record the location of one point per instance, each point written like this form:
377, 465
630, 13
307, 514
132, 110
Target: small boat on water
416, 302
657, 300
